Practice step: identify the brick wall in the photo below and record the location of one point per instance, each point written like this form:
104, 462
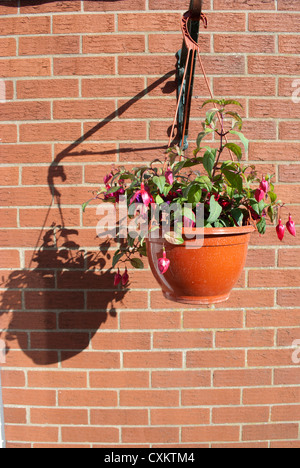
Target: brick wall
88, 83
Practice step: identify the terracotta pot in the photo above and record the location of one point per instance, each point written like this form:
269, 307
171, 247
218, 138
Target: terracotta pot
203, 270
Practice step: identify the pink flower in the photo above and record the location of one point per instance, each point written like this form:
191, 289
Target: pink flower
146, 197
291, 226
264, 185
280, 229
259, 194
163, 263
169, 176
118, 278
107, 178
125, 278
188, 223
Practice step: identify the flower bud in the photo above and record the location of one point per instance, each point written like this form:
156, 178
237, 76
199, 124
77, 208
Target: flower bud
259, 195
118, 278
125, 278
280, 229
291, 226
264, 185
163, 263
169, 176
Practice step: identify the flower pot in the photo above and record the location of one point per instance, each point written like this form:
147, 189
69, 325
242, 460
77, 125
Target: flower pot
202, 270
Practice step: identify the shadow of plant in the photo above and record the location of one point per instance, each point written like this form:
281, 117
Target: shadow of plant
47, 310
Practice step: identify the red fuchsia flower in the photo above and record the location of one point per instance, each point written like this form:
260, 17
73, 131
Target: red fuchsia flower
291, 226
163, 263
107, 178
144, 194
264, 185
125, 278
259, 194
280, 229
169, 176
118, 278
188, 223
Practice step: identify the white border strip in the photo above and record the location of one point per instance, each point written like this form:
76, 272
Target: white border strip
2, 434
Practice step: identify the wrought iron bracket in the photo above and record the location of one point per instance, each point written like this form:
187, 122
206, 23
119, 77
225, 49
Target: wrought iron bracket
186, 71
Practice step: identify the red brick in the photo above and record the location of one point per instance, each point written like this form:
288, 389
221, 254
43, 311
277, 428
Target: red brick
215, 358
47, 88
112, 87
119, 379
87, 398
25, 111
180, 416
150, 434
271, 395
23, 154
242, 5
244, 338
242, 378
49, 132
243, 43
8, 47
69, 24
153, 359
83, 66
149, 398
31, 433
273, 22
83, 109
8, 218
244, 86
113, 44
58, 416
10, 68
119, 417
180, 378
270, 432
23, 26
90, 434
10, 259
122, 340
210, 433
45, 45
55, 6
9, 176
110, 5
245, 414
209, 397
8, 133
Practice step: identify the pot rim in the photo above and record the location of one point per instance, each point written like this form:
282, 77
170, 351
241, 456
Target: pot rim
223, 231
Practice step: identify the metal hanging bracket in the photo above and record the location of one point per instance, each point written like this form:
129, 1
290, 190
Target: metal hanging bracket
186, 69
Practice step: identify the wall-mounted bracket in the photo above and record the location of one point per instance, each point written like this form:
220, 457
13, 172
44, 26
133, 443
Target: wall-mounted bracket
186, 69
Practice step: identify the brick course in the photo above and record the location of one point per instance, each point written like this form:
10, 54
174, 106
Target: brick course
91, 83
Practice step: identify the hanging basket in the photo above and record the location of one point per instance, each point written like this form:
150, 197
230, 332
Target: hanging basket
202, 270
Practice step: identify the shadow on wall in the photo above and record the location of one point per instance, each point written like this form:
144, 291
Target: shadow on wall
48, 310
52, 308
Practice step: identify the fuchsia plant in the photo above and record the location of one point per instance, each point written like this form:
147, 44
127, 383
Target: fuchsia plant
230, 191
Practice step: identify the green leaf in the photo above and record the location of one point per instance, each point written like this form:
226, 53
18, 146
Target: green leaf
160, 182
158, 200
205, 182
210, 116
262, 225
273, 197
235, 149
232, 101
215, 211
234, 179
242, 137
113, 189
188, 213
200, 138
210, 101
194, 194
173, 238
137, 263
209, 160
238, 215
117, 257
